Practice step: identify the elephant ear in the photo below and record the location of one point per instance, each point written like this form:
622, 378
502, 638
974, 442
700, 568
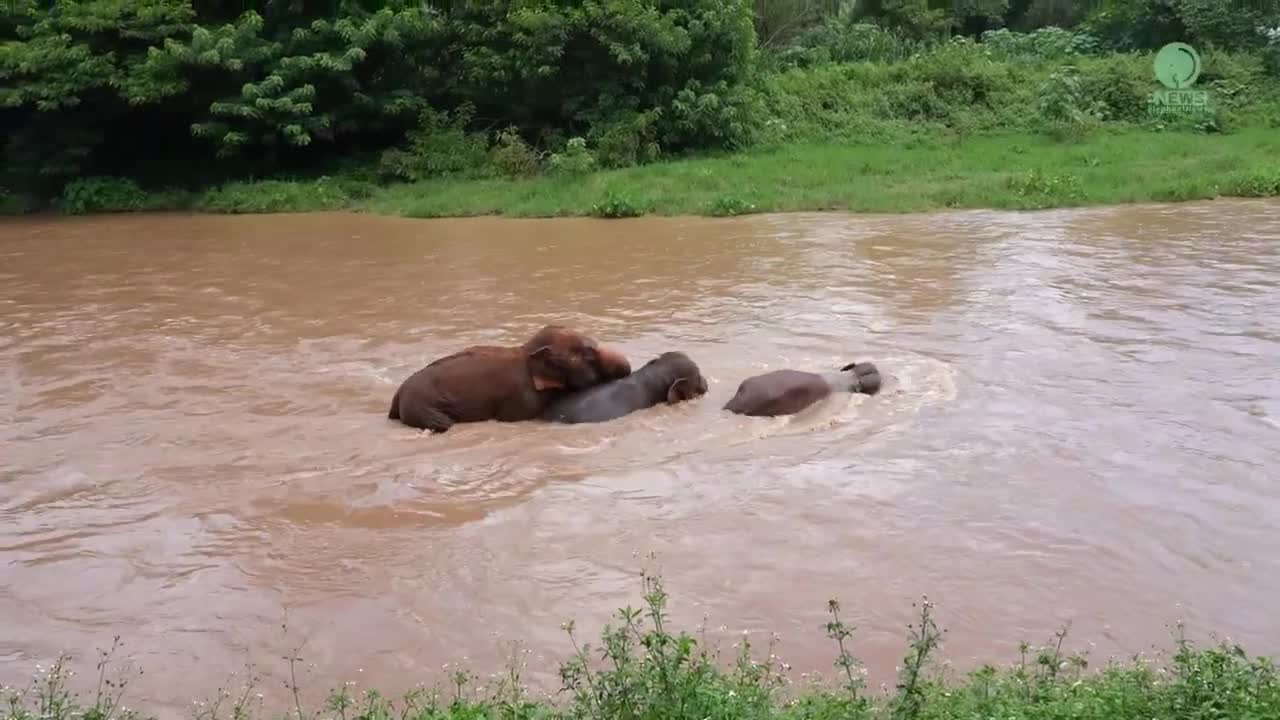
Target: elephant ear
541, 381
678, 391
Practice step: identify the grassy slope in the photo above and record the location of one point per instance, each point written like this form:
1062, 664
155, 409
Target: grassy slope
1010, 171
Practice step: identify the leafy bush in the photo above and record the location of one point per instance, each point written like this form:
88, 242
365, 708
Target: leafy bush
839, 40
1117, 88
616, 206
1136, 24
1149, 24
1254, 183
960, 76
323, 193
101, 194
1063, 107
1037, 188
439, 146
630, 139
575, 160
1048, 43
1271, 51
15, 204
724, 206
877, 101
512, 156
1226, 25
719, 116
917, 20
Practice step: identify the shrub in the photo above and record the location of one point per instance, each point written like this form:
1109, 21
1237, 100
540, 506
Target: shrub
1117, 88
1048, 43
1135, 24
827, 101
323, 193
956, 85
959, 76
630, 139
721, 116
439, 146
838, 40
12, 203
1063, 107
1038, 188
654, 672
1271, 51
1253, 183
575, 160
101, 194
724, 206
512, 156
1227, 25
615, 206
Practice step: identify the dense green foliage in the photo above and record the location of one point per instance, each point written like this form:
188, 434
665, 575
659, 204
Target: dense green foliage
644, 669
186, 94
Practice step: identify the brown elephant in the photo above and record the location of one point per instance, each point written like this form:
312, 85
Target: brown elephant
507, 384
785, 392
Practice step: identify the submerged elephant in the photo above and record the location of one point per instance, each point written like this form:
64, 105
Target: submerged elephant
507, 384
671, 377
785, 392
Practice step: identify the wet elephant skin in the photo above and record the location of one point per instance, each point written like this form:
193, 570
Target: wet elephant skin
669, 378
507, 384
786, 392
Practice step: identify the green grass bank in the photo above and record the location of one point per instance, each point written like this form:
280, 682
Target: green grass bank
642, 668
1006, 171
1016, 171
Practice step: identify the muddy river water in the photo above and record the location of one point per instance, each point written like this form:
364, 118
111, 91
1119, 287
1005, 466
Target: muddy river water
1081, 424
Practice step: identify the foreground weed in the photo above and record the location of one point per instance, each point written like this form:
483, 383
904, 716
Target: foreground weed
650, 672
838, 631
925, 638
49, 697
644, 669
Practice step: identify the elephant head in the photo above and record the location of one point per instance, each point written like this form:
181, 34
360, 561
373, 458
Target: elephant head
562, 358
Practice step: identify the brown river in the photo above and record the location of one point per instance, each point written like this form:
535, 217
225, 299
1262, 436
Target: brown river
1080, 423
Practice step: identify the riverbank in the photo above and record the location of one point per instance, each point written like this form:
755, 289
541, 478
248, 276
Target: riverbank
490, 112
643, 668
921, 173
910, 174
